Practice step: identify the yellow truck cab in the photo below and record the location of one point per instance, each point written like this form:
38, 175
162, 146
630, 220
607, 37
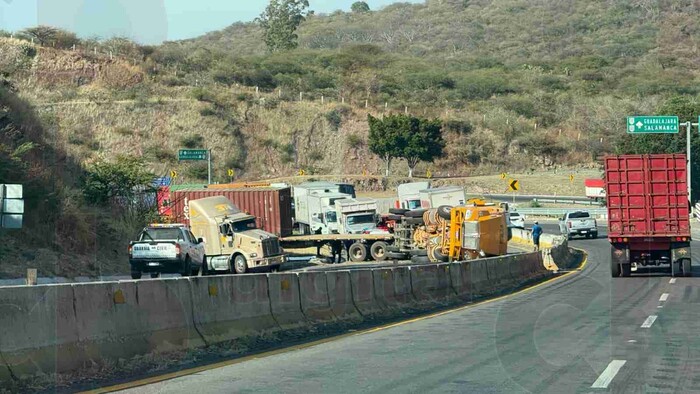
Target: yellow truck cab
233, 243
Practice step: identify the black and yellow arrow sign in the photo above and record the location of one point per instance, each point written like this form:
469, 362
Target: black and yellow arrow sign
571, 178
504, 175
514, 185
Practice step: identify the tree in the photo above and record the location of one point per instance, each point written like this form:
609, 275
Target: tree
359, 7
385, 138
280, 22
423, 141
42, 35
119, 182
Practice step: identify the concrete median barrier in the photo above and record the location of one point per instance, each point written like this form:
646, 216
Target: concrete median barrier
232, 307
479, 273
461, 280
364, 294
313, 290
285, 302
340, 296
39, 331
393, 289
431, 286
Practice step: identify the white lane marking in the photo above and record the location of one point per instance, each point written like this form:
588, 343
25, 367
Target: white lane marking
608, 375
672, 280
649, 321
663, 297
632, 341
660, 306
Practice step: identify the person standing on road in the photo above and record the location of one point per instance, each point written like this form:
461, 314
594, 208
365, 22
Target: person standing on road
536, 233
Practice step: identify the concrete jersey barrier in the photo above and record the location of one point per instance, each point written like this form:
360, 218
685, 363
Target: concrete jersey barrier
63, 328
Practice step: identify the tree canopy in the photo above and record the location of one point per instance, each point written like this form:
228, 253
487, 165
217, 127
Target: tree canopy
280, 21
359, 7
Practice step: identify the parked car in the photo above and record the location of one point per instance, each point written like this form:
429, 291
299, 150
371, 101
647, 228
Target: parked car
166, 249
517, 220
578, 223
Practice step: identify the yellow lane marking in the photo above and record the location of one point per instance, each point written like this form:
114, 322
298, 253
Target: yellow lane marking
203, 368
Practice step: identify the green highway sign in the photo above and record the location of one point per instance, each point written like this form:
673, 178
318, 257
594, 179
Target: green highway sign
192, 154
652, 124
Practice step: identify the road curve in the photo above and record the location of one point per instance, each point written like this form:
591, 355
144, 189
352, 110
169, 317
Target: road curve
583, 333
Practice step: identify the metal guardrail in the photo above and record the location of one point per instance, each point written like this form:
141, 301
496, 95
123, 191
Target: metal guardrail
575, 200
697, 211
558, 212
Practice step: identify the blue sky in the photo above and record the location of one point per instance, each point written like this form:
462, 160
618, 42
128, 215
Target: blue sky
147, 21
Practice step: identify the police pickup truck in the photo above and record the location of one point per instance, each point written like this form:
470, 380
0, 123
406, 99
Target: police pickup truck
166, 249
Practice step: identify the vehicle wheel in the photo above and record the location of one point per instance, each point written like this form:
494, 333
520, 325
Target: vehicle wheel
396, 256
626, 270
687, 267
378, 251
411, 221
419, 252
357, 252
416, 213
240, 265
594, 235
194, 271
155, 275
438, 256
420, 260
445, 212
275, 268
135, 275
615, 269
187, 268
204, 269
398, 211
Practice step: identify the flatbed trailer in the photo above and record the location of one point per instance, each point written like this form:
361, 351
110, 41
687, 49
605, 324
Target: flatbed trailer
358, 247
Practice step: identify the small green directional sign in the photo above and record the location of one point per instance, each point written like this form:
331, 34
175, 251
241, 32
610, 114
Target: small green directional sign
192, 154
652, 124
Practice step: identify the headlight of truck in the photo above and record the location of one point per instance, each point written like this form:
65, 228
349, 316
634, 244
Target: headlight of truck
253, 255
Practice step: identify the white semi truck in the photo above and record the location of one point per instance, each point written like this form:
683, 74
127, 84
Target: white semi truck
314, 207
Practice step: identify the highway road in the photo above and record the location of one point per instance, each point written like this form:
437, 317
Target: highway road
585, 332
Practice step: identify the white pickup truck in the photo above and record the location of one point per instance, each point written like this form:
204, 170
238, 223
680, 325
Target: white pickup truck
578, 223
166, 249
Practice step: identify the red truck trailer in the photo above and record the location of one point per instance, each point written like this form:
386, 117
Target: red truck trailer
648, 213
272, 206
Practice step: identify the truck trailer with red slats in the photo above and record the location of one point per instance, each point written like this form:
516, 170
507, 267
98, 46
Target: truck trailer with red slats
648, 213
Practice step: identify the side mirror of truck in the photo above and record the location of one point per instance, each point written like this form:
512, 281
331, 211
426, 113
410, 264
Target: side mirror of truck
200, 240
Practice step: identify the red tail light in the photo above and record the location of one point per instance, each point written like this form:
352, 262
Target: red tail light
131, 252
569, 224
177, 249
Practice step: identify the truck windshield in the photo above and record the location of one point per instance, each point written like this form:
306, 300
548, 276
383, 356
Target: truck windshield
244, 225
360, 219
331, 217
413, 204
161, 234
579, 215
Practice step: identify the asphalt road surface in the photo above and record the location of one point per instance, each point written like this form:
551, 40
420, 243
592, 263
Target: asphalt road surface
586, 332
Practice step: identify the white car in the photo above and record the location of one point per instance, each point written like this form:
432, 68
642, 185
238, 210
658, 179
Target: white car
517, 220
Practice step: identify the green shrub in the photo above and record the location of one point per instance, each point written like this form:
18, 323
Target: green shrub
535, 204
197, 171
354, 141
159, 154
192, 141
334, 118
458, 126
207, 111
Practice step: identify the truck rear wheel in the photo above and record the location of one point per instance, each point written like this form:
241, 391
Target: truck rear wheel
135, 275
357, 252
240, 265
445, 212
615, 269
378, 250
687, 267
626, 270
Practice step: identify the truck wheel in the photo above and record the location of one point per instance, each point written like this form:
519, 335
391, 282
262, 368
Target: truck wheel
204, 269
187, 267
135, 275
357, 252
378, 251
398, 211
438, 256
615, 269
445, 212
687, 267
626, 270
240, 265
155, 275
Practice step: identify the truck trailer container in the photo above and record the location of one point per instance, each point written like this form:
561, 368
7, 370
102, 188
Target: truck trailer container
648, 213
272, 206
